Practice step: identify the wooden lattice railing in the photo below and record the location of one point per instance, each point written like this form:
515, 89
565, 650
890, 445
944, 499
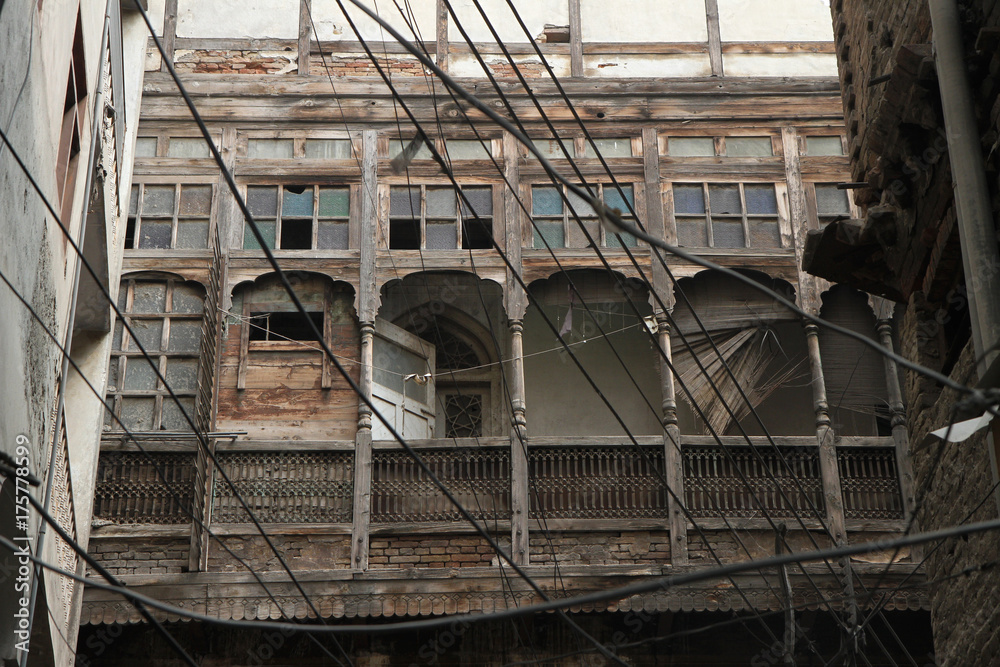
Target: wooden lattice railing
738, 482
870, 483
285, 487
597, 482
479, 478
130, 490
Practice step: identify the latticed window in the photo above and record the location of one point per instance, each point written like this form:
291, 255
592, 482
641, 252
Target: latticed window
436, 218
462, 399
299, 217
169, 216
726, 215
166, 317
556, 224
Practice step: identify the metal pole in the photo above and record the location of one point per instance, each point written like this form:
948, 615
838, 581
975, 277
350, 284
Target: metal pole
976, 229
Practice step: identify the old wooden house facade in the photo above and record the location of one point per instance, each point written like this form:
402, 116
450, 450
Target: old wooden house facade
718, 128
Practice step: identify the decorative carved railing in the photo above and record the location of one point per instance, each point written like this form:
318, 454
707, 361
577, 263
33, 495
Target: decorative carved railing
131, 491
597, 482
478, 478
739, 483
285, 487
870, 483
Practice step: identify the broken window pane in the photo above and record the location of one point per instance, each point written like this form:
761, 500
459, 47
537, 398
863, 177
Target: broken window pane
328, 149
133, 201
262, 200
149, 298
185, 336
158, 200
689, 200
196, 200
270, 148
296, 234
192, 233
748, 147
404, 234
297, 202
691, 146
477, 234
334, 202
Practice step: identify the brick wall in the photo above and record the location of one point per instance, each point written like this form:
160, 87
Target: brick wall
444, 551
601, 548
360, 65
141, 556
301, 552
215, 61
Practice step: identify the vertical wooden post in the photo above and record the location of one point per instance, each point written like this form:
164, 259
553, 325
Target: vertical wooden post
897, 412
305, 39
575, 39
714, 37
519, 499
441, 50
672, 459
169, 32
367, 307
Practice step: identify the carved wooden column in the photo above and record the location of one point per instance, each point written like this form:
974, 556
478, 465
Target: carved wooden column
367, 306
897, 412
672, 459
829, 468
519, 499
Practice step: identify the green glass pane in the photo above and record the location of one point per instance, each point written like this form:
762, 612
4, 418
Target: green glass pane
550, 231
334, 202
613, 199
267, 230
546, 201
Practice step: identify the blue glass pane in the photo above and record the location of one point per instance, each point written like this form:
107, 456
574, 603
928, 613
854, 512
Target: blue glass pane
546, 201
613, 199
760, 199
299, 205
689, 200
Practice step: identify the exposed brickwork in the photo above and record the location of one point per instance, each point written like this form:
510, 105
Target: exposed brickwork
359, 65
235, 62
759, 544
301, 552
141, 556
618, 548
407, 551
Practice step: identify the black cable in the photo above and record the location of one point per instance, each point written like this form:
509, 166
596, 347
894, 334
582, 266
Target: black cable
617, 593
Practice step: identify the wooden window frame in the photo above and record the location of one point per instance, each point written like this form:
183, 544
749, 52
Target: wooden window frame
818, 220
135, 217
123, 357
492, 218
719, 141
353, 191
744, 216
569, 222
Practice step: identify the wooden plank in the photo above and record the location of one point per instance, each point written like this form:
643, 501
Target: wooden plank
367, 294
575, 39
519, 477
514, 297
169, 32
495, 528
305, 44
362, 499
441, 52
714, 37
